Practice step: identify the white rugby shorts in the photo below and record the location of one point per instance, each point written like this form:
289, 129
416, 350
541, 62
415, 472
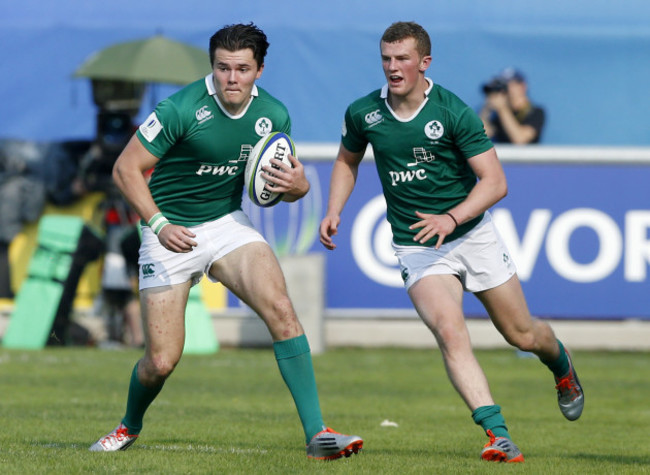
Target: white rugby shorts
161, 267
480, 259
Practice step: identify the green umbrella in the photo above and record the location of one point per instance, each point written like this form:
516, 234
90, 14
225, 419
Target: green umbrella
155, 59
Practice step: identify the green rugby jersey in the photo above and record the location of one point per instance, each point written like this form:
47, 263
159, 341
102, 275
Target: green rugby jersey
203, 150
421, 161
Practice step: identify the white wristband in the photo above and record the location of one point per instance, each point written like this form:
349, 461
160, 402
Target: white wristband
157, 222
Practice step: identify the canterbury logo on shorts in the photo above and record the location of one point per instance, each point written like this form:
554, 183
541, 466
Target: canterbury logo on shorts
148, 270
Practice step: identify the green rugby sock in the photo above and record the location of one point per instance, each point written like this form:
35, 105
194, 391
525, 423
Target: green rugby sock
294, 360
559, 367
490, 418
139, 399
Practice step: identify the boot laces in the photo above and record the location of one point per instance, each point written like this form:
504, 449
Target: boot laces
567, 386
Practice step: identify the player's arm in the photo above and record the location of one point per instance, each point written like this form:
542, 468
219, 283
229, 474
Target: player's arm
342, 181
490, 189
129, 176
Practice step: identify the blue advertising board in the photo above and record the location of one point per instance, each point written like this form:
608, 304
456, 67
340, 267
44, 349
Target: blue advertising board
579, 234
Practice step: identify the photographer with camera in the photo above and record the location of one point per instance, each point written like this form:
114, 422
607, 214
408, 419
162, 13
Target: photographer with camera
508, 114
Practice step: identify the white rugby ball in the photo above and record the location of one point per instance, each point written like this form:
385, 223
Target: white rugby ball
274, 145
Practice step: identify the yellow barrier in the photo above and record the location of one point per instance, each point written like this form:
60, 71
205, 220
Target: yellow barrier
23, 245
213, 295
89, 208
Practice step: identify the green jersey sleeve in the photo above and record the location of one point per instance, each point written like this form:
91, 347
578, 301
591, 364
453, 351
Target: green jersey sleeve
352, 136
286, 126
165, 128
470, 135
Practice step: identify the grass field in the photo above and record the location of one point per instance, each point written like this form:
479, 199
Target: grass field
231, 413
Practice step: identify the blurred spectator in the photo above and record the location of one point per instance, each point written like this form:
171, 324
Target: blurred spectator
120, 272
35, 173
120, 282
22, 197
508, 115
31, 174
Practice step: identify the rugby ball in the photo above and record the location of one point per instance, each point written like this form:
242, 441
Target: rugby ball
274, 145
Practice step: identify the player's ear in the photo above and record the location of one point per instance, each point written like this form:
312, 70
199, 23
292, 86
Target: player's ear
425, 62
259, 71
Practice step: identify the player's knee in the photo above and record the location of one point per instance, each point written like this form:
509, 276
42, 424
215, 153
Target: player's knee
159, 368
525, 341
452, 338
282, 309
281, 318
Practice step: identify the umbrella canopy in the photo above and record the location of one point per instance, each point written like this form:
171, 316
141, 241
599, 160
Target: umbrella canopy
155, 59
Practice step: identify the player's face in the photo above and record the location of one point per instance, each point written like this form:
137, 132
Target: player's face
403, 66
235, 73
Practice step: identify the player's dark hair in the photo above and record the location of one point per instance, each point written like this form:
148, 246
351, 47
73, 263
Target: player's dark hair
240, 36
401, 30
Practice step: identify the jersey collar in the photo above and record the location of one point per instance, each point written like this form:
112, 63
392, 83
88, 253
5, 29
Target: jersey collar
209, 84
384, 95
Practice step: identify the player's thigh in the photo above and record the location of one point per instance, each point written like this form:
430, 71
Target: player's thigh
506, 305
163, 320
253, 274
438, 300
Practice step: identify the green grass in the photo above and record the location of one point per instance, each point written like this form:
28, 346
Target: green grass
231, 413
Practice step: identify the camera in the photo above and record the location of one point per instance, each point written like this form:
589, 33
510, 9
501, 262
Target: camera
495, 85
114, 129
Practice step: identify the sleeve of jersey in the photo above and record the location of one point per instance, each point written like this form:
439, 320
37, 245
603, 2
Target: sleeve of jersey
352, 136
161, 130
286, 126
470, 134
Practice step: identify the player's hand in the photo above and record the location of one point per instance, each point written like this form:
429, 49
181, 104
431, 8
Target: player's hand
290, 180
177, 238
328, 228
432, 224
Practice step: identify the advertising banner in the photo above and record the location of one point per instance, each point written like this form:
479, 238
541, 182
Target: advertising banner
578, 233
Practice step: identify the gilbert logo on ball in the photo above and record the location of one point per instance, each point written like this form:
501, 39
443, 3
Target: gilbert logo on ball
276, 145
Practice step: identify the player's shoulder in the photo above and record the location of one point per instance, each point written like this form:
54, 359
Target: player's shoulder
442, 96
187, 100
369, 100
366, 104
266, 100
194, 90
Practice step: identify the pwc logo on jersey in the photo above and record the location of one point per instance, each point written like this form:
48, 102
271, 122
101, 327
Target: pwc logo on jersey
373, 118
227, 170
151, 127
421, 156
203, 114
220, 170
407, 176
